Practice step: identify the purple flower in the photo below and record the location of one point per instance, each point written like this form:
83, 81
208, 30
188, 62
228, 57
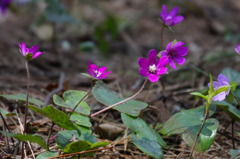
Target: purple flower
3, 5
237, 49
222, 81
97, 73
153, 67
31, 53
170, 18
175, 52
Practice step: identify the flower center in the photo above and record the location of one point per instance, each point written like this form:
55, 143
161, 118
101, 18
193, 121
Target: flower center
98, 73
152, 68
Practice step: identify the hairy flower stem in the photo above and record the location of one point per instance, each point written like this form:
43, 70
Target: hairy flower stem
89, 91
162, 31
26, 107
121, 102
199, 131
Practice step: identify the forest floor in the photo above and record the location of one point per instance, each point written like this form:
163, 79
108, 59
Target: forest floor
210, 30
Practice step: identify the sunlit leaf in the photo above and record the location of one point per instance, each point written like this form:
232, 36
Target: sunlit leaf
181, 121
105, 95
55, 115
22, 97
231, 110
140, 127
47, 154
206, 136
27, 137
70, 99
150, 147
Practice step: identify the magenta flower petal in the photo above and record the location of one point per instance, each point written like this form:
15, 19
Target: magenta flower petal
31, 53
162, 71
172, 64
175, 53
181, 51
169, 47
164, 53
153, 78
33, 49
97, 73
178, 19
102, 69
152, 67
170, 18
180, 60
37, 54
162, 62
104, 75
173, 12
143, 62
144, 72
163, 14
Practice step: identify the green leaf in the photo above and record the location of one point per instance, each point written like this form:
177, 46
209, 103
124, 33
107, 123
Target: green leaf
108, 97
221, 89
150, 147
55, 115
3, 112
47, 154
27, 137
199, 94
80, 145
231, 110
140, 127
81, 120
181, 121
63, 138
86, 74
235, 154
22, 97
232, 75
70, 100
211, 89
206, 136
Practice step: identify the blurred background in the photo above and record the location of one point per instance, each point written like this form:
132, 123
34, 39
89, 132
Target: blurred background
114, 34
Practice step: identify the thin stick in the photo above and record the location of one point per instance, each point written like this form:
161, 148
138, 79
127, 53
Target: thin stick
82, 152
49, 134
121, 102
89, 91
196, 139
5, 123
104, 116
233, 141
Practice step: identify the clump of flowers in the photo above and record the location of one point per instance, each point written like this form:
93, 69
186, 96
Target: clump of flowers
175, 51
3, 5
237, 49
153, 67
170, 18
97, 73
31, 53
222, 81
